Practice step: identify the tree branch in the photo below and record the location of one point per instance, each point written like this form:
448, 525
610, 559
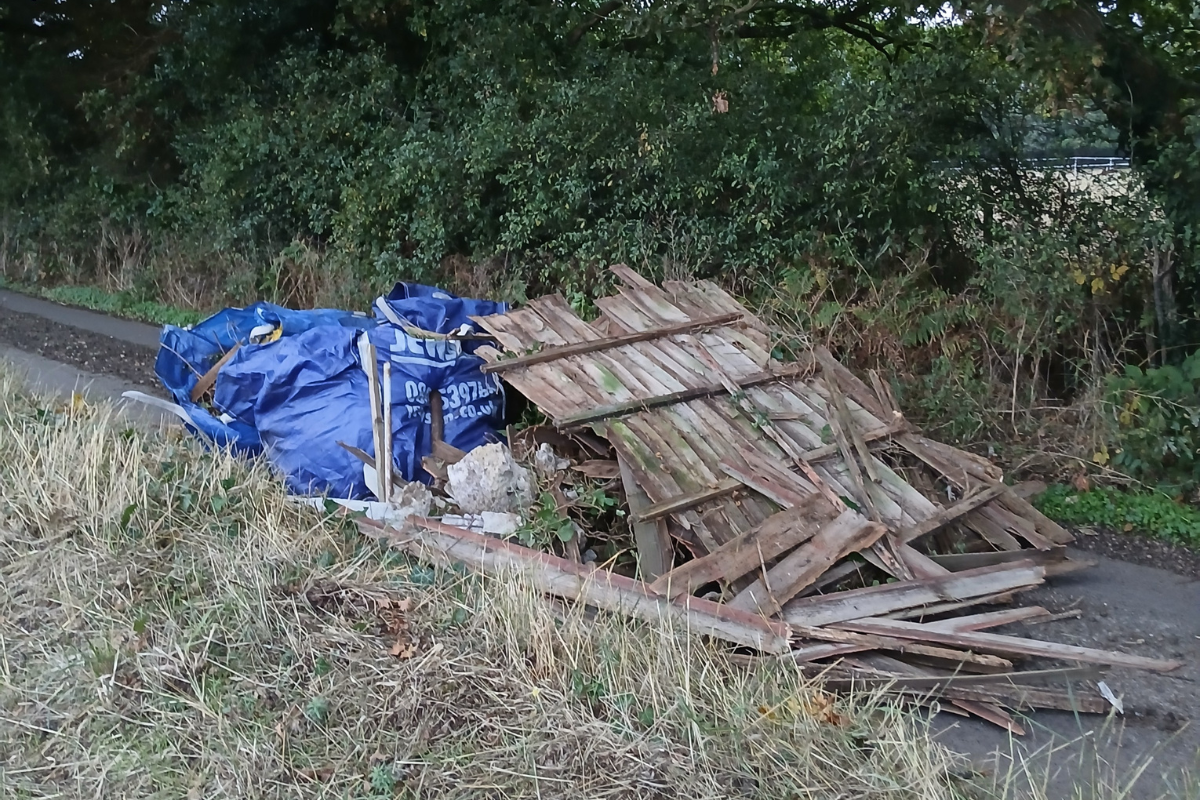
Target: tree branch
597, 17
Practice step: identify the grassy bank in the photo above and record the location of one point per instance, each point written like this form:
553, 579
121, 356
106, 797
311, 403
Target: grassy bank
171, 626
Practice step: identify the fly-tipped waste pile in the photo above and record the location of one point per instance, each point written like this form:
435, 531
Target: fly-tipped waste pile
784, 507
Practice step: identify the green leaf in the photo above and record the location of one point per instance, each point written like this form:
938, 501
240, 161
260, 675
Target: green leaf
127, 516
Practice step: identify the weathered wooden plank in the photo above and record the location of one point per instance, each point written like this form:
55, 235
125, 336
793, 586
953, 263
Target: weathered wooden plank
555, 309
672, 398
1015, 696
1021, 527
688, 469
647, 467
921, 565
707, 294
986, 711
851, 385
873, 601
992, 529
579, 348
840, 642
918, 614
1054, 561
1045, 526
948, 515
444, 544
655, 304
656, 553
989, 619
849, 533
1005, 645
752, 550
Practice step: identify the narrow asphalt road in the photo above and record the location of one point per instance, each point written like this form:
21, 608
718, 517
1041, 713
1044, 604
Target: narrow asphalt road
1124, 606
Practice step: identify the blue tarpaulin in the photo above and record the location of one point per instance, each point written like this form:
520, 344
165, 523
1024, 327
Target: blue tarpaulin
293, 399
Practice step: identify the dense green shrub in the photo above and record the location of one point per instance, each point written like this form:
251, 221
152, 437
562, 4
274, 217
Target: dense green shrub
1158, 414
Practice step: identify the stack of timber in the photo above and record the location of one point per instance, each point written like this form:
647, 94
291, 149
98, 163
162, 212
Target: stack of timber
787, 507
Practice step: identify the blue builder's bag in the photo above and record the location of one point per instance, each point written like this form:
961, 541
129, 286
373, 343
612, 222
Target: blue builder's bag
295, 396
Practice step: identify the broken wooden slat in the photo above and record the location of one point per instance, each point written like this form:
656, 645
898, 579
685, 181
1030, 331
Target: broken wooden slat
368, 356
656, 553
673, 398
990, 619
447, 453
595, 345
387, 455
725, 487
444, 544
936, 609
948, 515
986, 711
846, 423
987, 524
851, 385
840, 642
209, 379
1045, 526
1006, 645
766, 485
914, 677
1054, 561
873, 601
752, 549
849, 533
919, 564
1016, 696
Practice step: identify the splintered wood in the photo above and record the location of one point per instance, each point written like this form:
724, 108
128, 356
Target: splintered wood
826, 526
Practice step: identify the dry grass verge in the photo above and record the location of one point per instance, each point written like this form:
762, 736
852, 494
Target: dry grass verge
171, 626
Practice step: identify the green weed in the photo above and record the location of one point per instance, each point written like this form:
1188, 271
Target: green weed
118, 304
1147, 512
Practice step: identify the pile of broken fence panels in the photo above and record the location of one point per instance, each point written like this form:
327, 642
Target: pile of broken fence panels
764, 496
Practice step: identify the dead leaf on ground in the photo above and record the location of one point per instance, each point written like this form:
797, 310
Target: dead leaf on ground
821, 706
1081, 482
404, 648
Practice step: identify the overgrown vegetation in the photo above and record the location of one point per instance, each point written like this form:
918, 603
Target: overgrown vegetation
1158, 411
861, 171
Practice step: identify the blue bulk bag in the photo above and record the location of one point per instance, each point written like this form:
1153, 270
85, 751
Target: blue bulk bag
472, 402
185, 354
302, 395
431, 309
295, 398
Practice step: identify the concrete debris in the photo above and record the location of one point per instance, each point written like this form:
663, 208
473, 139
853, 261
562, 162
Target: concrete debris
489, 479
547, 462
413, 500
